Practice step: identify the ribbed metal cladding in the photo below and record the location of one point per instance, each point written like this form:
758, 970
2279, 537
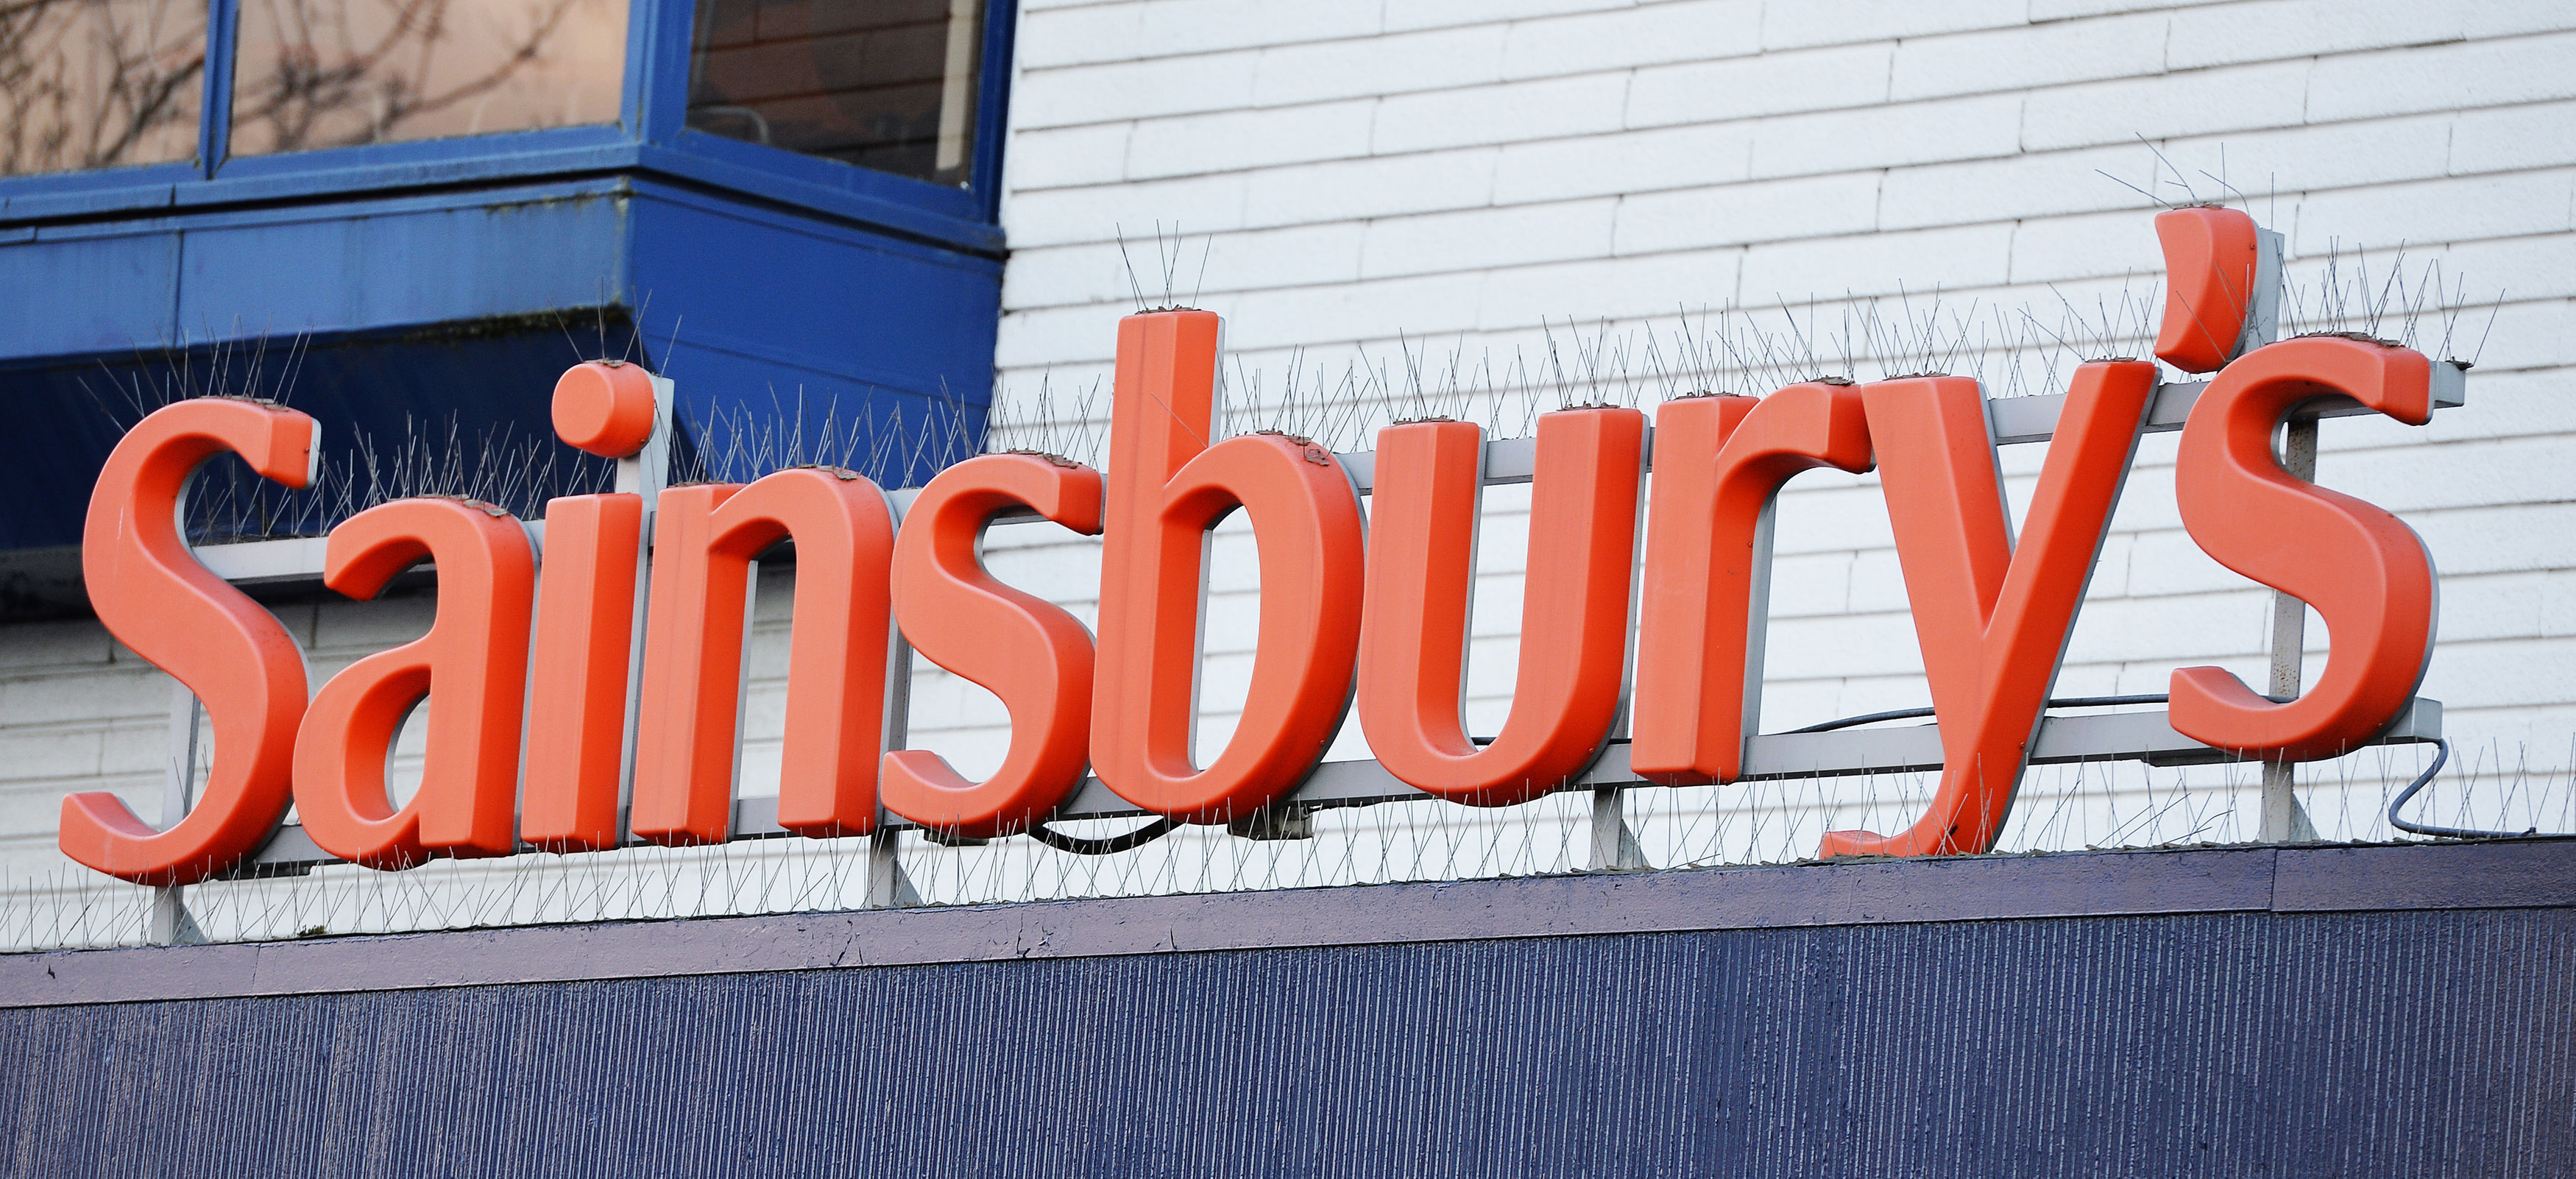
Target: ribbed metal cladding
2374, 1044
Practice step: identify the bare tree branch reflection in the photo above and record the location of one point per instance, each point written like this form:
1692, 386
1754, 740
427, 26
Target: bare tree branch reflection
348, 72
99, 83
90, 84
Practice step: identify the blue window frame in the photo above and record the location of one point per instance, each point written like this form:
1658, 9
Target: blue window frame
650, 137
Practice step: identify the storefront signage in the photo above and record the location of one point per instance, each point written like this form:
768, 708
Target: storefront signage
1363, 607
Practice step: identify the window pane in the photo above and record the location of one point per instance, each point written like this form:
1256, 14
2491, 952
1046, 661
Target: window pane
337, 73
884, 84
99, 83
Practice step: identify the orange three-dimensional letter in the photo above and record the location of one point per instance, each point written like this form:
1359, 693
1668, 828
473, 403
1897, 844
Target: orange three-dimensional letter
473, 664
155, 598
1421, 579
2363, 569
1992, 620
703, 542
1027, 651
1719, 464
1167, 487
2211, 258
584, 638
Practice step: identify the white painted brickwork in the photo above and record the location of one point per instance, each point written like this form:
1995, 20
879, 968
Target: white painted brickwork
1368, 175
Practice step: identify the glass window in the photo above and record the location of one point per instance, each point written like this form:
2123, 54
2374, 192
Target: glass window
99, 83
338, 73
884, 84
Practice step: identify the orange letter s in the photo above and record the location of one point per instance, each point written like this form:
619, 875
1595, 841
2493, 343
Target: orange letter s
2363, 569
1029, 652
155, 598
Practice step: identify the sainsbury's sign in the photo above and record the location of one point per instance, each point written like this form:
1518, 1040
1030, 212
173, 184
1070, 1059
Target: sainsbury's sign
1360, 604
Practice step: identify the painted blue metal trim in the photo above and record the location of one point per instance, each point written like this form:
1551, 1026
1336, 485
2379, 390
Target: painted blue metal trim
993, 107
302, 181
961, 232
851, 230
215, 114
786, 215
661, 66
133, 285
631, 89
135, 291
693, 175
833, 174
51, 184
369, 165
283, 183
414, 202
885, 380
35, 198
837, 231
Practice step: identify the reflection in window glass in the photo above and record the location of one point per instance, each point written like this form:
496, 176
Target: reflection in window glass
885, 84
338, 73
99, 83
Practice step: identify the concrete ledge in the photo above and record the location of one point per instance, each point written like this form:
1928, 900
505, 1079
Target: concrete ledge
2524, 873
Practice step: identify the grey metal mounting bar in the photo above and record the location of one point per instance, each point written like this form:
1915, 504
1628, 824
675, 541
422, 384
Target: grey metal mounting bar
2120, 736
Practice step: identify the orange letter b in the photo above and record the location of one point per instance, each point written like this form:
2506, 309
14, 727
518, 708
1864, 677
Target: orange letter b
1167, 487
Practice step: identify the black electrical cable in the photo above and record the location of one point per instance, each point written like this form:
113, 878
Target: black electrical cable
2440, 756
1866, 718
1919, 713
1130, 841
2108, 701
1101, 847
1159, 828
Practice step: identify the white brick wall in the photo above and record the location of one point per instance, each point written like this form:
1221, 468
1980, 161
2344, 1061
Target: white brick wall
1459, 173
